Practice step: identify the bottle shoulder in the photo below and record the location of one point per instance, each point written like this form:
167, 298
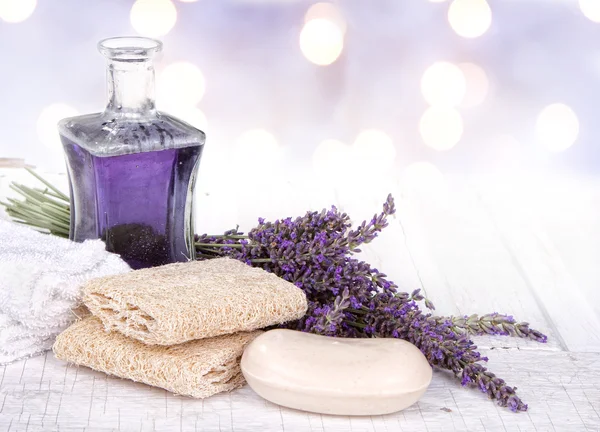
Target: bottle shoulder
106, 134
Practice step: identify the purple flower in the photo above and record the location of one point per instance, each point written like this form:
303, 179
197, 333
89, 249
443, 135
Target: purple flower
349, 298
482, 386
321, 238
355, 303
465, 379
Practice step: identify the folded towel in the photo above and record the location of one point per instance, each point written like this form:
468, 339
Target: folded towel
180, 302
33, 347
40, 285
16, 337
199, 368
18, 342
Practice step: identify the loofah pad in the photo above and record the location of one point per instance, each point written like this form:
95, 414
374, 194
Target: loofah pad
180, 302
199, 368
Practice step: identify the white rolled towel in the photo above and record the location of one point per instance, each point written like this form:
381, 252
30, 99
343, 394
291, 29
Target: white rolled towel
40, 285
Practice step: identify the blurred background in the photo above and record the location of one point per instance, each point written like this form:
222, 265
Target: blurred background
464, 85
480, 116
302, 100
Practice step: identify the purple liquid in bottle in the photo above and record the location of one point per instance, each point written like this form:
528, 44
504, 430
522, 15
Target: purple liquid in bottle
137, 203
132, 169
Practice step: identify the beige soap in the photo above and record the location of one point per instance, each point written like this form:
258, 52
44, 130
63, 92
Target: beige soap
335, 375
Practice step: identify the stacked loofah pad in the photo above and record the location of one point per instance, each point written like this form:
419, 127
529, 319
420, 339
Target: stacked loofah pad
198, 368
177, 303
182, 327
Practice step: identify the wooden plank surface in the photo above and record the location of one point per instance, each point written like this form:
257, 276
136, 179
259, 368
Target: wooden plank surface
552, 232
43, 393
473, 248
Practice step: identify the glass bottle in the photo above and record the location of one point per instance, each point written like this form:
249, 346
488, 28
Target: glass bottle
131, 168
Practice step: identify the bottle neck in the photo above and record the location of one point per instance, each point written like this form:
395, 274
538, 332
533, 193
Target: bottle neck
130, 88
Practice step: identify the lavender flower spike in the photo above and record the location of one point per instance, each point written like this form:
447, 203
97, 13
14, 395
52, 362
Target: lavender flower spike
496, 388
496, 324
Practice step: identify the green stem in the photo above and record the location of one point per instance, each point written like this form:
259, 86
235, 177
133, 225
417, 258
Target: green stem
53, 211
48, 185
64, 210
23, 190
48, 198
355, 324
33, 198
25, 213
215, 251
48, 192
34, 214
357, 311
235, 237
261, 260
200, 254
55, 229
204, 245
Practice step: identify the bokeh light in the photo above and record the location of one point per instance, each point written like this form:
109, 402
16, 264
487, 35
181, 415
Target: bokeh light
477, 84
470, 18
327, 11
321, 41
191, 115
331, 159
47, 124
441, 127
443, 84
258, 149
557, 127
180, 84
374, 150
153, 18
591, 9
16, 11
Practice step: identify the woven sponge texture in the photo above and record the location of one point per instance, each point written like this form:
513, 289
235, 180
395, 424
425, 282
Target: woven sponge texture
199, 368
180, 302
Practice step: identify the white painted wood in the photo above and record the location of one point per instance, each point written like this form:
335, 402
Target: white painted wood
479, 272
530, 223
42, 393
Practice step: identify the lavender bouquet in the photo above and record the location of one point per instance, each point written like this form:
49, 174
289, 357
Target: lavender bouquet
349, 298
346, 296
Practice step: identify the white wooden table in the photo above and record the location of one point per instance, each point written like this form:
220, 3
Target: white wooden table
525, 247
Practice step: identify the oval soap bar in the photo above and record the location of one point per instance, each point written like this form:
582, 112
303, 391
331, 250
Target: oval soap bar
335, 375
